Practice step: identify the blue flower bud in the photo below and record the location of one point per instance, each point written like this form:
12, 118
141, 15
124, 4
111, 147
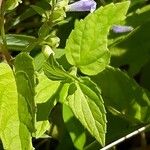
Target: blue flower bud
121, 29
83, 5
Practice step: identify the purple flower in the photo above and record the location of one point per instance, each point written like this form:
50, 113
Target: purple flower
121, 29
83, 5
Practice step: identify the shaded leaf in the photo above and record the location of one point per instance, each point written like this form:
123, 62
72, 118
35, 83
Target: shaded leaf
39, 60
18, 42
75, 129
125, 50
41, 128
45, 89
119, 127
130, 53
38, 9
24, 73
145, 74
123, 96
45, 99
54, 71
139, 17
58, 130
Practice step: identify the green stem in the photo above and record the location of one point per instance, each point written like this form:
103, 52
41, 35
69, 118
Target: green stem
3, 48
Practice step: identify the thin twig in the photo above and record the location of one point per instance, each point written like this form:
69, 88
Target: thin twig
125, 137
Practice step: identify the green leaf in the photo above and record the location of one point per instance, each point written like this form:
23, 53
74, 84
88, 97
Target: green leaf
45, 97
93, 145
54, 71
18, 42
11, 4
75, 129
61, 58
44, 30
41, 128
24, 73
39, 60
63, 92
13, 131
45, 91
86, 47
29, 12
59, 52
123, 96
87, 105
58, 129
25, 15
38, 9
